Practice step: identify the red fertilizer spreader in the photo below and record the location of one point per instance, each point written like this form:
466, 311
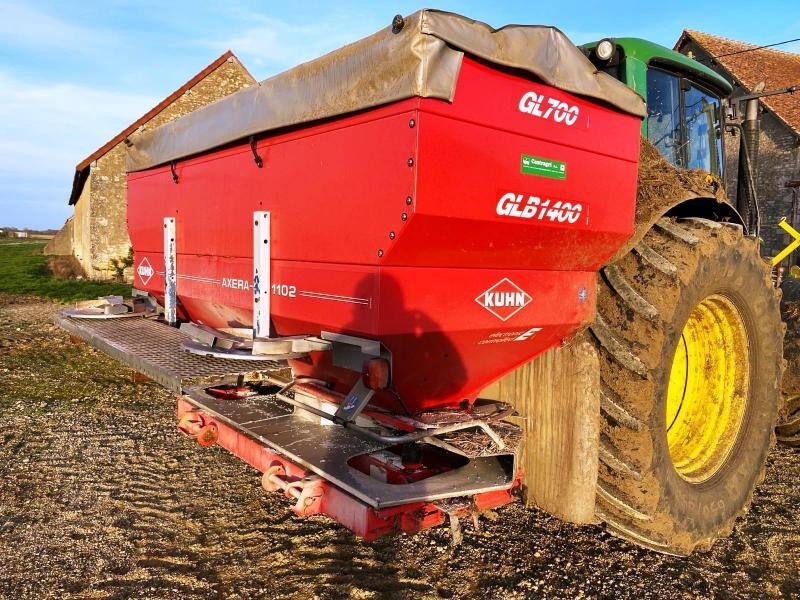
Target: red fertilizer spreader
358, 274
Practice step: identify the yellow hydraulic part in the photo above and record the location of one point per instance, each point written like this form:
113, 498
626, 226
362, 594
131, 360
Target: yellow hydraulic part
791, 247
708, 389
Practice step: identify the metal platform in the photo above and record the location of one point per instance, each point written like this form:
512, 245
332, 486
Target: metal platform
326, 449
153, 348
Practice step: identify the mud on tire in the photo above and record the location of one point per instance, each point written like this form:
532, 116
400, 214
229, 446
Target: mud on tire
788, 429
644, 301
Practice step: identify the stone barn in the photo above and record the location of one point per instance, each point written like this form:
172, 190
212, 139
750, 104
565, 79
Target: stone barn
97, 233
778, 175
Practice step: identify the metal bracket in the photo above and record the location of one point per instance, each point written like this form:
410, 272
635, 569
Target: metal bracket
209, 336
261, 275
170, 273
173, 171
256, 158
353, 403
370, 434
238, 344
351, 352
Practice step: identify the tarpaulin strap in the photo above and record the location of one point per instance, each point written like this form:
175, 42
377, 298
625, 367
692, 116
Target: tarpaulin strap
259, 162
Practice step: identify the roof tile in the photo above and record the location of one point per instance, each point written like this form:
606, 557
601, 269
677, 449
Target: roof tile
749, 65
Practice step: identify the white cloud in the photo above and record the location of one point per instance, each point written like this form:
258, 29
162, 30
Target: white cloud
24, 25
61, 121
272, 45
46, 129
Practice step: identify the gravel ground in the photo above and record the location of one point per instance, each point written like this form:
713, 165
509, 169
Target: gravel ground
102, 498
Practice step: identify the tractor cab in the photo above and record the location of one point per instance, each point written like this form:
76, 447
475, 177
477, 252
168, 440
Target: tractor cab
685, 99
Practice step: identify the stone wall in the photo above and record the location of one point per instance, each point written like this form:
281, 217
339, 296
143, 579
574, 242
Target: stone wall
778, 164
230, 77
100, 230
80, 227
61, 244
108, 231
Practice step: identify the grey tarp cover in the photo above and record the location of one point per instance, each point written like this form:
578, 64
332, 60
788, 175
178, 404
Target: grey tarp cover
422, 59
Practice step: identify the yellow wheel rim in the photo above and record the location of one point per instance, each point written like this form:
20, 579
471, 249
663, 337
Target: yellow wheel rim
708, 389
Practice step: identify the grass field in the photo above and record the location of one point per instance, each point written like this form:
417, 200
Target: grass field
23, 271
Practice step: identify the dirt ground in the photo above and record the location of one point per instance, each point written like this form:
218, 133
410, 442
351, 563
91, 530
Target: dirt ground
100, 497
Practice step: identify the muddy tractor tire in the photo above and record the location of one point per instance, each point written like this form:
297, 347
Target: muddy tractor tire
788, 429
689, 336
790, 289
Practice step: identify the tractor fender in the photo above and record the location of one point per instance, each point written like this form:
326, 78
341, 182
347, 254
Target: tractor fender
709, 205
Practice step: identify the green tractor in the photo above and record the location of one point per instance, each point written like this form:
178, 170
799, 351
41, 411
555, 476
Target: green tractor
688, 331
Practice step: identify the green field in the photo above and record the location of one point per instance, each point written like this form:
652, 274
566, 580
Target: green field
23, 271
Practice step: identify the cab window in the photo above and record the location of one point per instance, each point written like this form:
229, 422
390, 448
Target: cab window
704, 142
683, 122
664, 114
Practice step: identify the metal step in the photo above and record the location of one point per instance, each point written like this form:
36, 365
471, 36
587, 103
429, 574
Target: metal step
325, 449
153, 348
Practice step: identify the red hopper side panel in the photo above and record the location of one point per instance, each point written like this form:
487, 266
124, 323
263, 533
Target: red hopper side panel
465, 236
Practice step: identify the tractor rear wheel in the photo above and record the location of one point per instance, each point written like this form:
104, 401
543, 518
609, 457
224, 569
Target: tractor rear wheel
689, 337
788, 429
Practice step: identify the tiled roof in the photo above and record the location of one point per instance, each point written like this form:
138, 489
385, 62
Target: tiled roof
749, 65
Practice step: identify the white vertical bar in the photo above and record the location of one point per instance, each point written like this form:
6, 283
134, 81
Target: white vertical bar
170, 272
261, 274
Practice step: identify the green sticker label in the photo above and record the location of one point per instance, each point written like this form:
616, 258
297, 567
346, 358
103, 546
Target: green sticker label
545, 167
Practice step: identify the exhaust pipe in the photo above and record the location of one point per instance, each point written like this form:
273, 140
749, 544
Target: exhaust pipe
746, 196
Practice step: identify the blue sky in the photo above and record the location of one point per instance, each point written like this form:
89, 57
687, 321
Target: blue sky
72, 75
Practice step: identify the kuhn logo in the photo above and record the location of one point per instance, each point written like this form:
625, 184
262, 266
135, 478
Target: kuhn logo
504, 299
145, 270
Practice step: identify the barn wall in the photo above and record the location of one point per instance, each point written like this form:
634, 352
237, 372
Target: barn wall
61, 243
80, 227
